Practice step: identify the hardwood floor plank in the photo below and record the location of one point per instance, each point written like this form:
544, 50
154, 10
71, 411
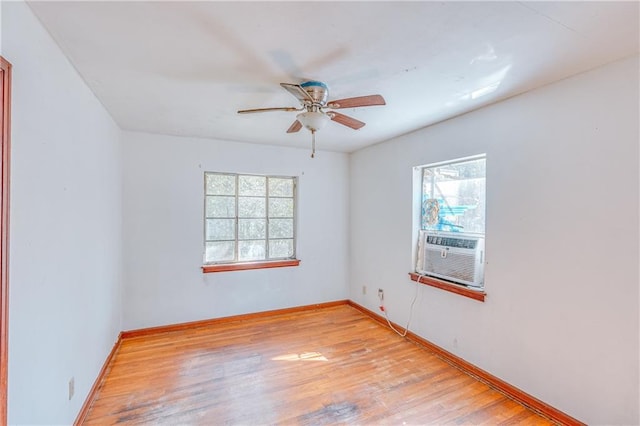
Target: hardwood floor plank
328, 366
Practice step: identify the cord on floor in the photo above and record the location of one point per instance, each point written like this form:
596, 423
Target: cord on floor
384, 311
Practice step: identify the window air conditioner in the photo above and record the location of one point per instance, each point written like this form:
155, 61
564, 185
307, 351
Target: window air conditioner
451, 256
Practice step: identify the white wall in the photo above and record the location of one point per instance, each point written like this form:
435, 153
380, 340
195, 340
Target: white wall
65, 264
561, 316
562, 162
164, 237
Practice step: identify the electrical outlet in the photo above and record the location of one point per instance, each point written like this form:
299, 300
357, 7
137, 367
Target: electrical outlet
380, 294
364, 290
72, 385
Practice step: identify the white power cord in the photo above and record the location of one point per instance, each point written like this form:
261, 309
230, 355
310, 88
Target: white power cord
413, 302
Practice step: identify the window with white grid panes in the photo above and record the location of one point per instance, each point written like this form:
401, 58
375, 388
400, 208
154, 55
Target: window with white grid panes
249, 218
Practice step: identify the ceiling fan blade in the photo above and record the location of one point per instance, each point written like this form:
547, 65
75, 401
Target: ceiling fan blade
359, 101
345, 120
297, 91
295, 127
248, 111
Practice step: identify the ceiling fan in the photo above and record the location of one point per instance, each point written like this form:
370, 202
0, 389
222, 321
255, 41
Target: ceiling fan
313, 97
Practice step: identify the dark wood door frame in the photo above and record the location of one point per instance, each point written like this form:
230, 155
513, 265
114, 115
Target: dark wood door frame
5, 134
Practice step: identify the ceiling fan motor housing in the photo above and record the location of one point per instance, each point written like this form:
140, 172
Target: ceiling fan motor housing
317, 90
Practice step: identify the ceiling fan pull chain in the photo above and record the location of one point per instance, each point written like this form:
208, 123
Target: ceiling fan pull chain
313, 144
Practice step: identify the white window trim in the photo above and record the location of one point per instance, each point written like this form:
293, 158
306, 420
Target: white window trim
235, 264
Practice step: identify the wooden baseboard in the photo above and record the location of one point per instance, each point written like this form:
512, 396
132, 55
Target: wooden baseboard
210, 322
500, 385
82, 415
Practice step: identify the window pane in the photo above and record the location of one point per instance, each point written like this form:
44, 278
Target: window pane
221, 229
280, 207
252, 185
220, 184
251, 250
454, 197
219, 251
280, 187
280, 248
251, 207
251, 229
281, 228
221, 206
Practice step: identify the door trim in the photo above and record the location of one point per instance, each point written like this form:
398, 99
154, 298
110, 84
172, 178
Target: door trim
5, 136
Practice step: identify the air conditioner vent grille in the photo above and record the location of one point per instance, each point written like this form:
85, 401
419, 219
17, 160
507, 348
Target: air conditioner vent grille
455, 265
452, 242
457, 258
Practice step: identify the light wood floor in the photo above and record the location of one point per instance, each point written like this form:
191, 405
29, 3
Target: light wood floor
328, 366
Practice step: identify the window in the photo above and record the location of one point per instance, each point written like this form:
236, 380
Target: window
249, 218
450, 249
453, 196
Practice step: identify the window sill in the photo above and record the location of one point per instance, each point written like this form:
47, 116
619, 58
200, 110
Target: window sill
225, 267
447, 286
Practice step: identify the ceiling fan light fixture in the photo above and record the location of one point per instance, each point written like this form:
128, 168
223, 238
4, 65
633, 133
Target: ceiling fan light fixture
313, 120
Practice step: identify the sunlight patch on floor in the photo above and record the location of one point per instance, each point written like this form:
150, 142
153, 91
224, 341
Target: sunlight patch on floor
305, 356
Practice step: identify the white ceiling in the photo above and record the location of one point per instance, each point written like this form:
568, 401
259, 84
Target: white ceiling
185, 68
